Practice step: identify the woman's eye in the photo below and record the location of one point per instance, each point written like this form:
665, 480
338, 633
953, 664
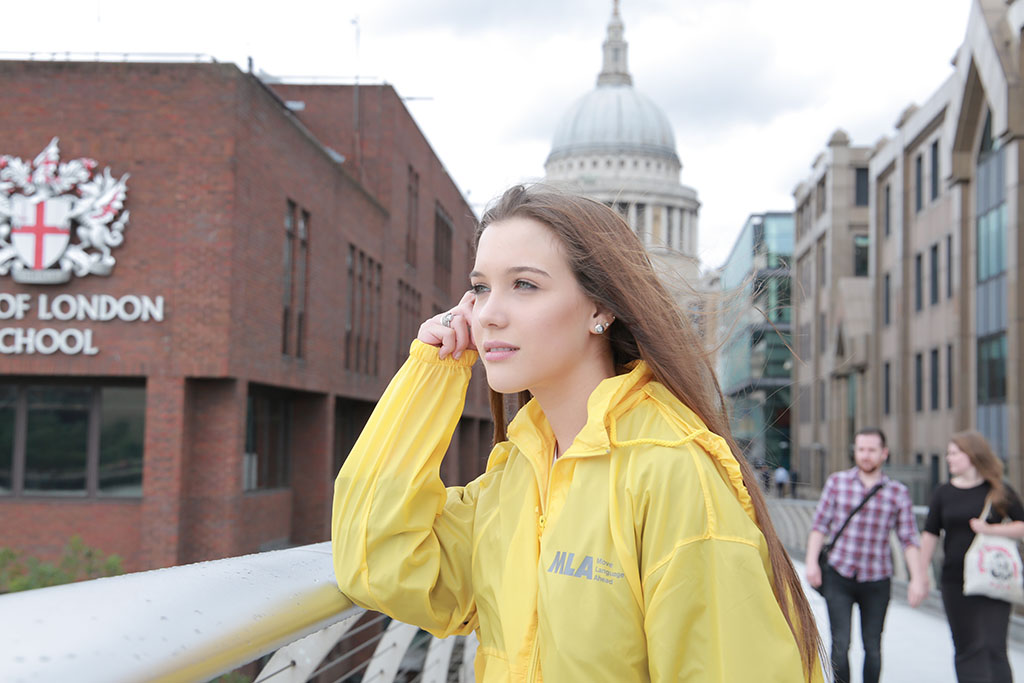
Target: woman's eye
523, 284
479, 289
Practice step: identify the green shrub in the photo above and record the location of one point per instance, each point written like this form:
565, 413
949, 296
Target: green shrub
77, 563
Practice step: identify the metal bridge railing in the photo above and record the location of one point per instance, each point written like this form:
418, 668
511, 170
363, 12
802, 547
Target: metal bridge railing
198, 621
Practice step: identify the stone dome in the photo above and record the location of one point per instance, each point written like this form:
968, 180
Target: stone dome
614, 119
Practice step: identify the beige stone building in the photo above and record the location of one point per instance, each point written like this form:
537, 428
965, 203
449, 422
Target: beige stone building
831, 308
931, 341
947, 256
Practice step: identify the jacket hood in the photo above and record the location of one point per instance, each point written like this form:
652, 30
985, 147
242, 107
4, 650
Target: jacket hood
531, 433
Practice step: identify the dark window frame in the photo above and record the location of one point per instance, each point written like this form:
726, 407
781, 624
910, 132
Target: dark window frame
918, 382
887, 210
918, 281
860, 192
886, 388
97, 430
918, 183
886, 299
271, 464
861, 255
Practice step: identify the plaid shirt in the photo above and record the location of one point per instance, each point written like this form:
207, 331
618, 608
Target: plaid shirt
862, 552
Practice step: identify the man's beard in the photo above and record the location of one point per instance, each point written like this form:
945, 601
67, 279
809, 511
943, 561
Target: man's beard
865, 470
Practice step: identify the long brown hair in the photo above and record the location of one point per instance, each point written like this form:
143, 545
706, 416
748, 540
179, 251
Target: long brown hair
615, 271
988, 465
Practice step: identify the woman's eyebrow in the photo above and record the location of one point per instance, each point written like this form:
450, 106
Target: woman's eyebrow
515, 270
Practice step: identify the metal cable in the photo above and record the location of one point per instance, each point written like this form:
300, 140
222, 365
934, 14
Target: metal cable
346, 655
284, 668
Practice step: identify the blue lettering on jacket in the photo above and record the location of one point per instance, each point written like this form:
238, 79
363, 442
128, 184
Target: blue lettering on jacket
562, 564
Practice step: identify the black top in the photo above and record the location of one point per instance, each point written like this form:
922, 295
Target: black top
951, 510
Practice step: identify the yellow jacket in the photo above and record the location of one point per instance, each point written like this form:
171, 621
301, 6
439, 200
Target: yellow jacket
632, 558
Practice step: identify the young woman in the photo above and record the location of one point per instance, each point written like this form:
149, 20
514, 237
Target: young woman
614, 536
978, 624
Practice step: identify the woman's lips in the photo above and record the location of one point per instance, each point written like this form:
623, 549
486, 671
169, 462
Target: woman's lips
498, 351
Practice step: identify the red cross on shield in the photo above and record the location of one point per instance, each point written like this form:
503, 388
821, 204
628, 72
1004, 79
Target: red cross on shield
40, 230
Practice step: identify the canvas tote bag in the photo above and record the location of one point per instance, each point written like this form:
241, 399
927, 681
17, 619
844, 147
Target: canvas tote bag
993, 567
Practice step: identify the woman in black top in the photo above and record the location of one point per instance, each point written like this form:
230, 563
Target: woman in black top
979, 624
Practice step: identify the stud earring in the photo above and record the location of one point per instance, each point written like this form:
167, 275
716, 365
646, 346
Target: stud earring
599, 328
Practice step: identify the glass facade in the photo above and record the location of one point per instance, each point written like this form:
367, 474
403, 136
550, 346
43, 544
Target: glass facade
755, 360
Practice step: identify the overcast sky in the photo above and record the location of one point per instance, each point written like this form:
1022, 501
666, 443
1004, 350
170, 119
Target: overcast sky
753, 88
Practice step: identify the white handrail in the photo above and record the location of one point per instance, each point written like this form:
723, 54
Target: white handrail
187, 623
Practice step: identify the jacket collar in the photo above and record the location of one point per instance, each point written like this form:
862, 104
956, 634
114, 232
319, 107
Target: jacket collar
531, 433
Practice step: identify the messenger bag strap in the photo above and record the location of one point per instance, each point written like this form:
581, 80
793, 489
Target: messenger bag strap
877, 487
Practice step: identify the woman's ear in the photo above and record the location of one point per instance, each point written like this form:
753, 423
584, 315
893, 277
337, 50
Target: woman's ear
601, 319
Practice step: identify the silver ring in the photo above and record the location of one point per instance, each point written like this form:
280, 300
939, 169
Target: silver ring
446, 319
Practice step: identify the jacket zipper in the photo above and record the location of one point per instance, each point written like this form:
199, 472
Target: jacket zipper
531, 675
534, 656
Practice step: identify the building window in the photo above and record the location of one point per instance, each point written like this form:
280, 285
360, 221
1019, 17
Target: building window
918, 284
819, 197
806, 277
822, 401
805, 342
886, 388
886, 298
992, 369
860, 255
822, 333
935, 170
861, 187
80, 439
301, 281
287, 274
295, 279
919, 382
442, 251
949, 376
412, 214
804, 403
918, 183
410, 304
821, 266
949, 266
934, 363
991, 208
933, 275
362, 314
887, 210
268, 422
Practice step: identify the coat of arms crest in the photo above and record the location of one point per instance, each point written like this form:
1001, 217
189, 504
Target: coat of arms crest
44, 204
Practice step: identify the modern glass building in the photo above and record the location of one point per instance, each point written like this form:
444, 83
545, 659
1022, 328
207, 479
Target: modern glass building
754, 357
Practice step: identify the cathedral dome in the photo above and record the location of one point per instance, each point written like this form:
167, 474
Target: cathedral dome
614, 119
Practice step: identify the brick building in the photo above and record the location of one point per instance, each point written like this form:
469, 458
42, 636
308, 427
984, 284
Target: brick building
277, 259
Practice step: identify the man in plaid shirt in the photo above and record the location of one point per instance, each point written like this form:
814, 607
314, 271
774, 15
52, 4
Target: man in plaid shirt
859, 568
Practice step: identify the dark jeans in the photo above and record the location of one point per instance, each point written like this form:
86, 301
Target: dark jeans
979, 626
872, 597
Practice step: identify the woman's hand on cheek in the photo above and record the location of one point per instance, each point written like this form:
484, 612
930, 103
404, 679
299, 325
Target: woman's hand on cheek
454, 337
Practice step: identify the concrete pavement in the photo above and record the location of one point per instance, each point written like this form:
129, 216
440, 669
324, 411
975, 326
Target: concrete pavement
916, 645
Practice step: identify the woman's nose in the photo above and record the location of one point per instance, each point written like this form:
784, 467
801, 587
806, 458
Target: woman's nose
489, 310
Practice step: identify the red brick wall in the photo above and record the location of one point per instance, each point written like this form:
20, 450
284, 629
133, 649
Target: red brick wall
42, 527
214, 158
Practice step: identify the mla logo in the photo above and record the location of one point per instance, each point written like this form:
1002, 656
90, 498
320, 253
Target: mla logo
44, 203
